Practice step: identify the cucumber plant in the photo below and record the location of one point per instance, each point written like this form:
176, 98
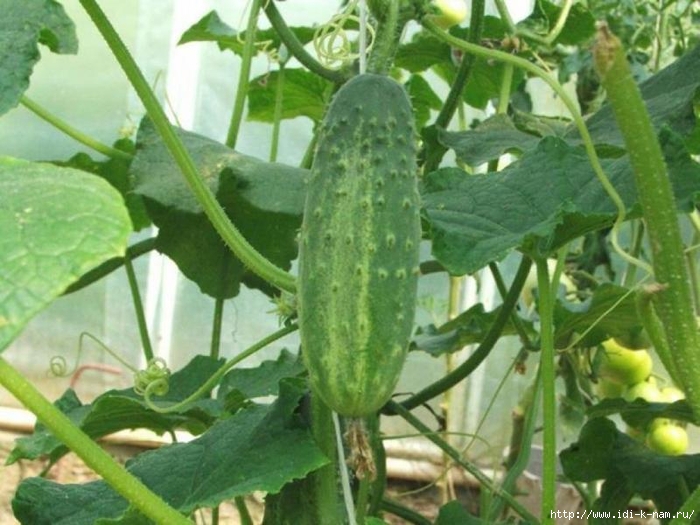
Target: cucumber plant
373, 187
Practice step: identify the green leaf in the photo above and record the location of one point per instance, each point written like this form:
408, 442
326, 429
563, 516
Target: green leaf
628, 467
578, 29
124, 409
640, 412
492, 138
55, 225
23, 26
454, 513
262, 380
264, 200
467, 328
303, 95
669, 96
610, 312
259, 448
423, 99
547, 198
210, 28
115, 171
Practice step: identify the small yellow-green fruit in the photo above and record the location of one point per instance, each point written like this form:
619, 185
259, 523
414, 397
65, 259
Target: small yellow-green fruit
624, 366
450, 13
647, 390
671, 394
668, 439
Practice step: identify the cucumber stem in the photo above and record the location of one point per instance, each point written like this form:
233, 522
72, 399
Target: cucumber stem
674, 304
545, 308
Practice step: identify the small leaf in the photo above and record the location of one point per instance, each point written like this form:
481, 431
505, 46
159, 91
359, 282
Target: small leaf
23, 26
303, 95
492, 138
55, 225
578, 28
610, 312
454, 513
640, 412
210, 28
259, 448
467, 328
423, 99
262, 380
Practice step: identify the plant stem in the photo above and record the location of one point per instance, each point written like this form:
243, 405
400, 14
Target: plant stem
243, 513
325, 479
277, 119
107, 267
72, 132
454, 97
674, 304
138, 310
385, 40
409, 515
216, 377
123, 482
521, 443
457, 457
250, 257
549, 400
215, 347
244, 75
296, 48
482, 351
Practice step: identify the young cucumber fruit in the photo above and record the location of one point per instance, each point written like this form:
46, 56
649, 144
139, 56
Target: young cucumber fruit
359, 242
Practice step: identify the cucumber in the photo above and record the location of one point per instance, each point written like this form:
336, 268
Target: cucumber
359, 247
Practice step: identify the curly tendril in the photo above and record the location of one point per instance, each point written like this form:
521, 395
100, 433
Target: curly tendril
154, 380
266, 47
58, 366
331, 41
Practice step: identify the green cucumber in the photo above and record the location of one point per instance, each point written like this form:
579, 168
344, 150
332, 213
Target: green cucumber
359, 247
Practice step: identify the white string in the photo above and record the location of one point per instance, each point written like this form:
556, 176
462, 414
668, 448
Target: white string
363, 37
344, 478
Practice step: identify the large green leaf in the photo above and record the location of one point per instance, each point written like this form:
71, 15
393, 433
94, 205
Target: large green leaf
23, 26
123, 409
303, 95
546, 199
264, 200
55, 225
259, 448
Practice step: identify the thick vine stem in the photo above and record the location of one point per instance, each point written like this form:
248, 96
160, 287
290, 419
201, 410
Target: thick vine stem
250, 257
123, 482
549, 400
674, 305
386, 40
296, 48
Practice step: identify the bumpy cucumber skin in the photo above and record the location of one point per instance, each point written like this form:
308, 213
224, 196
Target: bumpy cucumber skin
359, 247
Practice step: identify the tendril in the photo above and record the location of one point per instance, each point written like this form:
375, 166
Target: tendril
266, 47
331, 42
154, 380
58, 366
